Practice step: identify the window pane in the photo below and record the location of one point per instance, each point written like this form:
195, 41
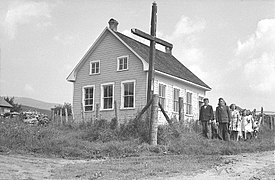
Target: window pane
88, 108
126, 89
125, 63
97, 68
105, 93
110, 91
108, 103
126, 101
131, 89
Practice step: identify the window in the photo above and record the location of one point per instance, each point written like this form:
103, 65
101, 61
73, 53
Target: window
162, 95
94, 67
122, 63
176, 99
188, 103
88, 98
128, 94
107, 94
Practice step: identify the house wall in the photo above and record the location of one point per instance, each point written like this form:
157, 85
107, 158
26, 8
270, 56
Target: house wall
4, 110
169, 99
107, 52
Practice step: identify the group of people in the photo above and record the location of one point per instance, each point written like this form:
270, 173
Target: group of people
228, 123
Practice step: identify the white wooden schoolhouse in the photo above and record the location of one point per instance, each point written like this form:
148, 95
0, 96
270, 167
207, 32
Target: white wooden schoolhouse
113, 75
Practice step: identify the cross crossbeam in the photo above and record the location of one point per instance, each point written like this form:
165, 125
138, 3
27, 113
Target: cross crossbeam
153, 40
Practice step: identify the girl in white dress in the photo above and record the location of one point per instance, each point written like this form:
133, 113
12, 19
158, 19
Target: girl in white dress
247, 124
235, 124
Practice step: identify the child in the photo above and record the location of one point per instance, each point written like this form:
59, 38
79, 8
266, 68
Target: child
249, 125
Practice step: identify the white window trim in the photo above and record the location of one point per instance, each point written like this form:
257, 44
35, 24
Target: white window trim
83, 97
102, 94
91, 62
188, 91
165, 98
122, 94
127, 56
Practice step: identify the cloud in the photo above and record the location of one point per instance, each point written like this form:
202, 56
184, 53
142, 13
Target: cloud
185, 39
23, 12
28, 89
186, 26
256, 56
66, 39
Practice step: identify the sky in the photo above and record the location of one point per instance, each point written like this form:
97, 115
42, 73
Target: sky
230, 45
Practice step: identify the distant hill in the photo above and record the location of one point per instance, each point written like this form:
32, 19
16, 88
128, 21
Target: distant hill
43, 111
34, 103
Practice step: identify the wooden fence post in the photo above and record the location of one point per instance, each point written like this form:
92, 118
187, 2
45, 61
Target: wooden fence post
271, 122
66, 115
154, 120
52, 114
60, 114
262, 115
181, 110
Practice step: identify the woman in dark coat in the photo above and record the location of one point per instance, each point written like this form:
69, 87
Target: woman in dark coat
223, 117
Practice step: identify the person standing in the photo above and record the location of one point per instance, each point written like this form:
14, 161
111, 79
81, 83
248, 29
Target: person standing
235, 124
223, 118
205, 117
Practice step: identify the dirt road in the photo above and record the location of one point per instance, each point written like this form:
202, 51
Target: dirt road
254, 166
245, 166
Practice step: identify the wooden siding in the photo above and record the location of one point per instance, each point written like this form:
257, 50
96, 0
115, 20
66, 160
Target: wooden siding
107, 52
184, 87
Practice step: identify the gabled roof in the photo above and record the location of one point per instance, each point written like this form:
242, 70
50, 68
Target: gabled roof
72, 75
4, 103
164, 62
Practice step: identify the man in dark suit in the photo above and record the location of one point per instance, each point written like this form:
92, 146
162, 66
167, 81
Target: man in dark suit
223, 117
206, 116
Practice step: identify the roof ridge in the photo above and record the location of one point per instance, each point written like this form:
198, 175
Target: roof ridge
165, 62
142, 43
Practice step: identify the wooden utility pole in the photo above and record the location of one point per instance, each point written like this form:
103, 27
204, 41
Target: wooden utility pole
153, 40
152, 99
154, 122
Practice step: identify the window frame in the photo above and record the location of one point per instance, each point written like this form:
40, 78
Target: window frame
162, 97
83, 97
189, 105
102, 96
93, 62
122, 94
118, 63
176, 100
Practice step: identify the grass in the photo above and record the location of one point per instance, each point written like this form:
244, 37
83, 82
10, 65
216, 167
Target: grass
103, 139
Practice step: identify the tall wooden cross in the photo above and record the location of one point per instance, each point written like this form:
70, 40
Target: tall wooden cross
153, 40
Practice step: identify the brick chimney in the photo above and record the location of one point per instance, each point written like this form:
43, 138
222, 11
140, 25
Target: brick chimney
168, 50
113, 24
